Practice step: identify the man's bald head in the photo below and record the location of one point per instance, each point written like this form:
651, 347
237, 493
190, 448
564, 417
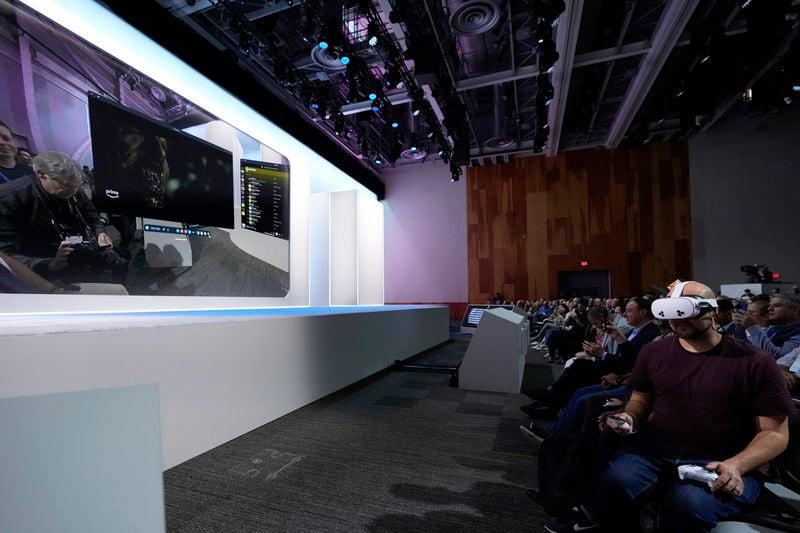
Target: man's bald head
695, 288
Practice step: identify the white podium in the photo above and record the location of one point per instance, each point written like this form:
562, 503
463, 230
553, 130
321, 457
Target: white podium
495, 359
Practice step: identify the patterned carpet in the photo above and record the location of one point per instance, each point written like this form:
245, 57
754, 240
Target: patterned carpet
400, 451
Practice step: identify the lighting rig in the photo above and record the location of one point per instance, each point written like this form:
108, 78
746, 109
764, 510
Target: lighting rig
374, 140
545, 14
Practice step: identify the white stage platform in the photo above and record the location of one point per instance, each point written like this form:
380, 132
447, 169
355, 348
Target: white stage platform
220, 373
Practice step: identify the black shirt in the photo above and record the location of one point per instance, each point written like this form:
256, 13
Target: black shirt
19, 171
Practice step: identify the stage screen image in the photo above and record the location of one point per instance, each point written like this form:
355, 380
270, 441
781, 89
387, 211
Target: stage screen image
156, 203
146, 169
265, 198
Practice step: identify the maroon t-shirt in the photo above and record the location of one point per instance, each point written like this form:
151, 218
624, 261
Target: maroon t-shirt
707, 402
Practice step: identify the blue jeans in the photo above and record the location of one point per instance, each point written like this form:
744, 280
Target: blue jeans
687, 505
574, 413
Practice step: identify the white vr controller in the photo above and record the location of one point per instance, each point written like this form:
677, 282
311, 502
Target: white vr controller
678, 307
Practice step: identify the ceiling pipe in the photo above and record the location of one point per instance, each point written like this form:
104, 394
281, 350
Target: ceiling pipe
566, 41
673, 21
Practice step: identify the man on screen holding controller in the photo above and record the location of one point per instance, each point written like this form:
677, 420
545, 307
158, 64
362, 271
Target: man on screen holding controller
699, 398
49, 225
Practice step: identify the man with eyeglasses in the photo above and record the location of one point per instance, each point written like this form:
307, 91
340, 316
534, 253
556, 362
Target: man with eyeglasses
783, 336
49, 225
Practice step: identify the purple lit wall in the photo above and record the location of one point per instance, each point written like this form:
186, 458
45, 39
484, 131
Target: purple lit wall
425, 235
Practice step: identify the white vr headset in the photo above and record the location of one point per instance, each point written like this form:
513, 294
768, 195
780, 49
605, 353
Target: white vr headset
677, 307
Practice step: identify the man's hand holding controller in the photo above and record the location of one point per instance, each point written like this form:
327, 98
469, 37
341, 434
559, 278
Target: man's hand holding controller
697, 473
621, 423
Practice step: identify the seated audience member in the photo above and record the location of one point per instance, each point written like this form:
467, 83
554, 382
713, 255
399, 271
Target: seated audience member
598, 344
789, 365
784, 317
699, 398
758, 310
587, 400
584, 372
570, 334
553, 322
10, 168
725, 314
50, 226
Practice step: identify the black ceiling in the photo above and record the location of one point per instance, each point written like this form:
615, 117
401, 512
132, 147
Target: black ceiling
630, 71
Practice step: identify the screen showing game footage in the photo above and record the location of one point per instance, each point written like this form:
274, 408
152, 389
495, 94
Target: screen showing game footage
143, 168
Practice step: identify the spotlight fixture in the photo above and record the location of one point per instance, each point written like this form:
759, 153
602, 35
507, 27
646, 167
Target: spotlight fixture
455, 171
372, 96
323, 45
378, 160
392, 77
787, 100
548, 10
373, 32
796, 88
375, 106
344, 59
416, 108
395, 124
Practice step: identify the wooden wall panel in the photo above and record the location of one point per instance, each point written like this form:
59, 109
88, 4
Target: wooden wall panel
626, 210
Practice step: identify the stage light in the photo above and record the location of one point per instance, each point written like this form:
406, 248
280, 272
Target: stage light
338, 124
455, 171
290, 3
788, 100
373, 31
344, 59
395, 124
796, 88
393, 78
416, 108
430, 134
323, 45
372, 96
378, 161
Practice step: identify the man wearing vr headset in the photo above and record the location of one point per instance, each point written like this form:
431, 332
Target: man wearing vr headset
698, 398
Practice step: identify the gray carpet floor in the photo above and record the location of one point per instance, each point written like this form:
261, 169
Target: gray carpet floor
401, 451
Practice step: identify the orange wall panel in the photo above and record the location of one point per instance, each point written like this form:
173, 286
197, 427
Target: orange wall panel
626, 210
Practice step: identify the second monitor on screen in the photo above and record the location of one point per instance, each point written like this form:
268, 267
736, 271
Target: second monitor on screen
265, 197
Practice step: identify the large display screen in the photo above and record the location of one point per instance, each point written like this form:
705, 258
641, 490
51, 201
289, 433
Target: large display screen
143, 168
265, 198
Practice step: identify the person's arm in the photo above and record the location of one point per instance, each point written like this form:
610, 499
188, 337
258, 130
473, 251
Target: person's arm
26, 276
771, 439
758, 338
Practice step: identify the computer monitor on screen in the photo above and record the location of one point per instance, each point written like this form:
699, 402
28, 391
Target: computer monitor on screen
145, 168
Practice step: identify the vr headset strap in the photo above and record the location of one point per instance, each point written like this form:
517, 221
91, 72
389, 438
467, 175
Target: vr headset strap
677, 291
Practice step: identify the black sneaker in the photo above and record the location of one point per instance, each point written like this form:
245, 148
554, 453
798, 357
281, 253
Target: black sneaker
576, 520
534, 432
536, 409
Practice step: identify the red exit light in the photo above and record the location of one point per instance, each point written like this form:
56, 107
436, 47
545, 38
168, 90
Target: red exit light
586, 264
776, 275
